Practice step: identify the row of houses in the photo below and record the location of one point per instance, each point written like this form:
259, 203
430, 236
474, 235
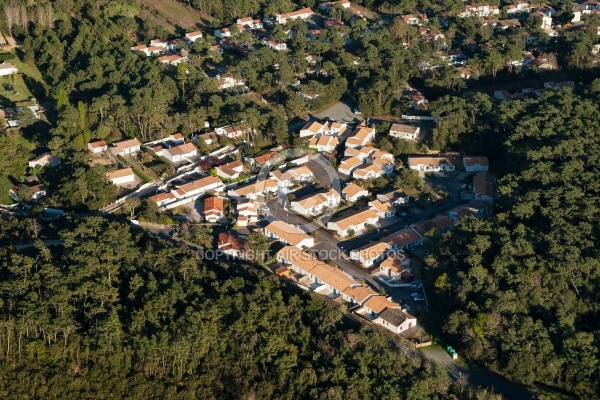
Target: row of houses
332, 282
504, 95
413, 236
436, 164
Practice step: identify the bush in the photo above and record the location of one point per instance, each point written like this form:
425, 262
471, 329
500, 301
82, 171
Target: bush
7, 56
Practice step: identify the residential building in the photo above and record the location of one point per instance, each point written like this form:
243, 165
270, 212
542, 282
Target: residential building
265, 159
231, 244
191, 37
303, 13
234, 131
183, 152
274, 44
214, 209
8, 69
352, 193
395, 266
288, 234
288, 177
383, 160
324, 143
370, 253
432, 164
121, 176
407, 238
97, 146
228, 81
44, 159
230, 170
126, 147
163, 199
199, 187
172, 59
396, 320
247, 212
254, 190
311, 129
483, 186
368, 173
476, 164
315, 204
397, 197
361, 136
329, 5
383, 210
355, 222
348, 165
403, 131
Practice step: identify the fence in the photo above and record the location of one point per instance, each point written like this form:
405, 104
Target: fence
420, 118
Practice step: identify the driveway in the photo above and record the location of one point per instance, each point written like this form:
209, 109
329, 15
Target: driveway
341, 111
478, 377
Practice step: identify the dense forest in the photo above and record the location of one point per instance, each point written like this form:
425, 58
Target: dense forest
520, 290
120, 314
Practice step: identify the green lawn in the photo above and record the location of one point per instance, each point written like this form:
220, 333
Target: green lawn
11, 94
5, 186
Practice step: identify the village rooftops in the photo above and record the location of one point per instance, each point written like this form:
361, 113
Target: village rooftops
352, 189
300, 258
119, 147
382, 207
404, 237
355, 219
214, 203
409, 129
395, 264
380, 303
200, 184
96, 144
255, 187
287, 232
475, 161
395, 316
120, 173
359, 293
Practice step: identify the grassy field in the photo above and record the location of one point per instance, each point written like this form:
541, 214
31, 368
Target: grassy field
11, 94
171, 14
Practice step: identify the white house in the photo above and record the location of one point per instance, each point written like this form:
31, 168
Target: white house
397, 197
403, 131
214, 209
247, 211
483, 187
352, 193
234, 131
274, 44
126, 147
361, 136
395, 319
324, 143
228, 81
368, 173
370, 253
8, 69
191, 37
303, 13
163, 199
97, 146
288, 177
316, 203
353, 223
311, 129
44, 159
432, 164
348, 165
288, 234
197, 188
183, 152
476, 164
383, 210
230, 170
253, 190
121, 176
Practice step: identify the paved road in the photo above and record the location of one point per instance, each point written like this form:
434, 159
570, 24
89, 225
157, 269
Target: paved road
479, 377
47, 243
454, 198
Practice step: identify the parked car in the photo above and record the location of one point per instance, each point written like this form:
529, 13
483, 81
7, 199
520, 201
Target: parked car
419, 298
415, 287
357, 111
415, 294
